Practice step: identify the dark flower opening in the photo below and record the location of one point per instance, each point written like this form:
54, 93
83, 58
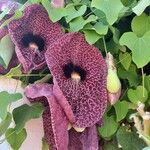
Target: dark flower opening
33, 41
75, 72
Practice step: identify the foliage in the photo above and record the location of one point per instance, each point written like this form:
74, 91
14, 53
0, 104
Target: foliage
121, 27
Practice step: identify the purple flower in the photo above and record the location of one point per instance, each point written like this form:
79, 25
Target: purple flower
79, 71
56, 122
32, 35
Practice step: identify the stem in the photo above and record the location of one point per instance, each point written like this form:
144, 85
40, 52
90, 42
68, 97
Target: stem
105, 48
143, 84
45, 79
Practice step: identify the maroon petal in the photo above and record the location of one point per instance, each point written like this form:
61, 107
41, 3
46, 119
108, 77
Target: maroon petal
88, 98
88, 140
54, 119
35, 21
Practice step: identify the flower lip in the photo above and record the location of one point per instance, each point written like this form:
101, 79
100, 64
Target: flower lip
33, 41
74, 71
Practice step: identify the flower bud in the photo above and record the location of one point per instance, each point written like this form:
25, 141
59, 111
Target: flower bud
113, 82
113, 97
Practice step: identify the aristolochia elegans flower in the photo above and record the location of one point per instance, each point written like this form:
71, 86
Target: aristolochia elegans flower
56, 122
79, 71
32, 35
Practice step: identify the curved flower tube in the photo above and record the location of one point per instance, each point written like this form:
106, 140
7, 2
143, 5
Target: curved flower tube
79, 71
33, 127
56, 122
32, 35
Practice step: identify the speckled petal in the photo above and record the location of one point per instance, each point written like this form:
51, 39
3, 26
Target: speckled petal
88, 140
88, 98
35, 20
54, 119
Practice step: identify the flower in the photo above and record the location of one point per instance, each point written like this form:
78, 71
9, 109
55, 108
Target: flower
56, 122
79, 71
113, 82
32, 34
33, 127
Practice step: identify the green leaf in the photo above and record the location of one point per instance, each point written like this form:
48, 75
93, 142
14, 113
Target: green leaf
139, 94
25, 112
35, 1
125, 59
5, 124
110, 146
78, 23
18, 14
16, 71
74, 14
147, 83
91, 36
138, 27
6, 99
140, 7
129, 140
139, 47
110, 8
55, 14
15, 140
7, 49
45, 146
121, 109
130, 74
109, 127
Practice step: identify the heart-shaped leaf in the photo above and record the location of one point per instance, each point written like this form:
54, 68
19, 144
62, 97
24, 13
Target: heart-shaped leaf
15, 140
138, 95
110, 8
121, 109
125, 59
6, 50
109, 128
5, 124
16, 71
130, 74
78, 23
25, 112
139, 47
74, 13
140, 7
147, 83
129, 140
138, 26
91, 36
6, 99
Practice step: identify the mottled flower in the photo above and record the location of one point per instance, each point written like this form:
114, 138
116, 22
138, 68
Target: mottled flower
56, 122
32, 34
79, 71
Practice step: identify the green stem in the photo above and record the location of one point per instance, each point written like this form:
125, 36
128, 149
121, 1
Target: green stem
143, 84
105, 48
